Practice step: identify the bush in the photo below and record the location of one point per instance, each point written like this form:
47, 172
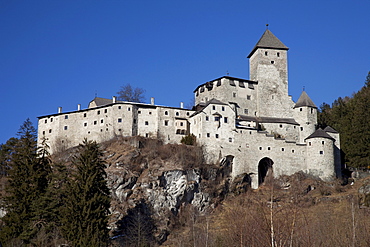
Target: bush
189, 140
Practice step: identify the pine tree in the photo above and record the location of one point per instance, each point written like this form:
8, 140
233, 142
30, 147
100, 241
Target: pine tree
87, 201
28, 181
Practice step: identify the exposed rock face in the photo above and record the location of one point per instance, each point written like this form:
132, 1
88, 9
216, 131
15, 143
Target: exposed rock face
165, 183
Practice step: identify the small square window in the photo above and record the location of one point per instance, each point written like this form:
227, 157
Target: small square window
65, 127
46, 120
51, 119
139, 112
101, 120
85, 124
49, 130
278, 54
207, 118
188, 113
181, 124
43, 132
213, 107
321, 152
98, 112
234, 95
281, 126
217, 118
177, 113
66, 117
120, 120
223, 108
165, 122
230, 139
225, 119
292, 150
322, 142
260, 148
150, 113
268, 148
208, 134
106, 110
301, 128
166, 113
266, 53
119, 107
129, 109
85, 115
245, 111
146, 135
95, 122
216, 135
248, 97
146, 123
282, 149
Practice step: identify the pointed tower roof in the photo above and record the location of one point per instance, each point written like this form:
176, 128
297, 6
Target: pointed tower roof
329, 129
304, 100
268, 40
319, 133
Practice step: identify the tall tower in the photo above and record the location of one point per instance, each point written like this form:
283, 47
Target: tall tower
268, 66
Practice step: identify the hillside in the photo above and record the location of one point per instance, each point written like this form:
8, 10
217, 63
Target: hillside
166, 195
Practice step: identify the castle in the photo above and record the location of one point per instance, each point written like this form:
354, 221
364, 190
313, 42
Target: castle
252, 125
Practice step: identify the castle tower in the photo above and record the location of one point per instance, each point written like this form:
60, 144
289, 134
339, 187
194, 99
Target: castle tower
268, 66
337, 151
306, 115
320, 155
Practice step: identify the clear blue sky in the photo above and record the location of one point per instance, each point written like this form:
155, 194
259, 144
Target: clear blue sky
62, 52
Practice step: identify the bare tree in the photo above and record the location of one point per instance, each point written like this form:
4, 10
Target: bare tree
128, 93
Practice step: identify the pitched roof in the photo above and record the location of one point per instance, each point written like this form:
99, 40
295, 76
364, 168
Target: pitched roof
305, 100
101, 101
330, 130
268, 40
319, 133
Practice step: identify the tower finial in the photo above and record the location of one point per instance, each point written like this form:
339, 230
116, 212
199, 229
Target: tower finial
267, 26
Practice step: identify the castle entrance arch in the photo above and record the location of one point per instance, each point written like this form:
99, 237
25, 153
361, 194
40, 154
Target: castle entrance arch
264, 169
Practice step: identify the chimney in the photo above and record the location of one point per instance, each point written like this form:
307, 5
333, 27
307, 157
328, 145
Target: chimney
79, 107
152, 100
59, 109
114, 99
181, 104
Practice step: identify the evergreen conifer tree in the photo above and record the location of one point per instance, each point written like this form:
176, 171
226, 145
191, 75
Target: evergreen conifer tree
27, 182
87, 200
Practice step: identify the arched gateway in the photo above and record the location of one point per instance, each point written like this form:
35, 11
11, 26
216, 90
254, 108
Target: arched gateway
264, 169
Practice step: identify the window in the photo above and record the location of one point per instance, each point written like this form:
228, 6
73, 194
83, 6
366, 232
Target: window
146, 135
266, 53
278, 54
217, 118
166, 113
46, 120
119, 107
134, 121
234, 95
95, 122
65, 127
98, 112
216, 135
207, 118
85, 115
181, 124
245, 111
309, 143
272, 62
101, 130
300, 109
66, 117
322, 142
146, 123
292, 150
282, 149
213, 107
248, 97
43, 132
208, 134
268, 148
150, 113
120, 120
301, 128
129, 109
165, 122
119, 130
85, 124
260, 148
101, 120
223, 108
225, 119
49, 130
51, 119
230, 139
281, 126
177, 113
187, 114
139, 112
321, 152
106, 110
